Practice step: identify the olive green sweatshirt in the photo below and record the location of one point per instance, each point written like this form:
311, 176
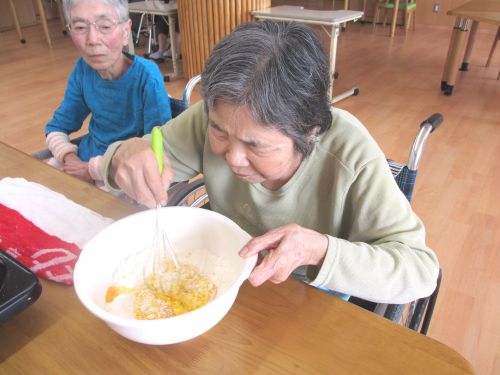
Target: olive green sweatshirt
344, 190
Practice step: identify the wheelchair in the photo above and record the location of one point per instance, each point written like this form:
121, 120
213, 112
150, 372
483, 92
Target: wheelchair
415, 315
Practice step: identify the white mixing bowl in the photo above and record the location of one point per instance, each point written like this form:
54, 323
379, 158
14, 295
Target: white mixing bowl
189, 230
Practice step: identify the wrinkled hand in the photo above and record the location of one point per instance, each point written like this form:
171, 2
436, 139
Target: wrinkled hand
135, 170
76, 167
289, 247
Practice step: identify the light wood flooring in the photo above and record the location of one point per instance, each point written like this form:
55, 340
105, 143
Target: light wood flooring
457, 194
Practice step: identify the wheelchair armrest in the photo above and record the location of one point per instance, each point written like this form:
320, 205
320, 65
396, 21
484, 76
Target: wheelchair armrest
186, 96
177, 106
46, 154
42, 154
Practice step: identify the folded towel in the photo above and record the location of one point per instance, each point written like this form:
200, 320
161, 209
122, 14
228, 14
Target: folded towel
43, 229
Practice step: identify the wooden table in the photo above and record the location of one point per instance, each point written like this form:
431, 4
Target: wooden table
472, 12
331, 18
289, 328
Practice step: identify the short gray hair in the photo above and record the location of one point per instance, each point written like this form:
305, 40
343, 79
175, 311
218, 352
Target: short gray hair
280, 71
121, 7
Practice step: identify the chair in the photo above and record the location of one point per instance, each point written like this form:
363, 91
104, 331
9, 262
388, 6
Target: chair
177, 106
492, 51
147, 27
415, 315
408, 6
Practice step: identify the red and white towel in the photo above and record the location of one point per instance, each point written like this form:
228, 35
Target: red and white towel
43, 229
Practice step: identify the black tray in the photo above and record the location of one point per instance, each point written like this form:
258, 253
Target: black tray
19, 287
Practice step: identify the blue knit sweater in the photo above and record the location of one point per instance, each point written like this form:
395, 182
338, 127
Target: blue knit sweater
127, 107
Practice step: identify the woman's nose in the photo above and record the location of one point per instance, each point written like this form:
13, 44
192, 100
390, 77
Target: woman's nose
92, 35
236, 156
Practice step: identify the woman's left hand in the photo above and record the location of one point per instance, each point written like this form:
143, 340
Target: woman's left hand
76, 167
289, 246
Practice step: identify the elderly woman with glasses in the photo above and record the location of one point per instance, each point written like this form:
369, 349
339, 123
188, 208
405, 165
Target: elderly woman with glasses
307, 180
124, 94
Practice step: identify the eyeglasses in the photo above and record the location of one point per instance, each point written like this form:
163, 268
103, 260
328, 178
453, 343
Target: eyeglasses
104, 26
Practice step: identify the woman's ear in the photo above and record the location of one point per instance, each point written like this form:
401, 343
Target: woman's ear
313, 135
127, 30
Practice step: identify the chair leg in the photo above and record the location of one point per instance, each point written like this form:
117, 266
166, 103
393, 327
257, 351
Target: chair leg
16, 22
492, 51
408, 17
61, 15
375, 17
385, 17
139, 30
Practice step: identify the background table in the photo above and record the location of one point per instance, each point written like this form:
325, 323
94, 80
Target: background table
273, 329
159, 8
331, 18
474, 11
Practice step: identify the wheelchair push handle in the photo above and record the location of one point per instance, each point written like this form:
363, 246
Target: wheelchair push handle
434, 121
426, 128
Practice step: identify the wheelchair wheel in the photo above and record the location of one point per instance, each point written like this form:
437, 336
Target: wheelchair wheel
192, 194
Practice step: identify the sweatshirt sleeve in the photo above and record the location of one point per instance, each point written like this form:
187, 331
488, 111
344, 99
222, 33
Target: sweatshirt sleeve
184, 139
384, 257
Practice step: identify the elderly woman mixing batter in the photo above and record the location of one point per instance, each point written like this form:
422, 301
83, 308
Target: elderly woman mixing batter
306, 180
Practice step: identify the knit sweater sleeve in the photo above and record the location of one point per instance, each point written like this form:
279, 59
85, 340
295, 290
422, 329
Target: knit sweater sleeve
156, 101
73, 110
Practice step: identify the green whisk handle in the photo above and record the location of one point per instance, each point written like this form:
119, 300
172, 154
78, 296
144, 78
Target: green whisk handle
157, 146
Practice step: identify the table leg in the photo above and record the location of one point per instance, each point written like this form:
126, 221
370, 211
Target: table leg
152, 26
363, 19
61, 16
470, 45
457, 50
333, 56
173, 46
490, 56
346, 7
446, 67
394, 18
16, 22
43, 19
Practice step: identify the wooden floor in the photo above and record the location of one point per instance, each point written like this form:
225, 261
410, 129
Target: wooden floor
457, 193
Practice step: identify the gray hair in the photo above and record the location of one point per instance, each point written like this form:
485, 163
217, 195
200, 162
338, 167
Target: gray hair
121, 7
278, 70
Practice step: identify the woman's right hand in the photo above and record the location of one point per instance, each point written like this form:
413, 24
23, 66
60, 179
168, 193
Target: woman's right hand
134, 169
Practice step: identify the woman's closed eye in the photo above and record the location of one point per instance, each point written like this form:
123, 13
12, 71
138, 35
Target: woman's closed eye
218, 133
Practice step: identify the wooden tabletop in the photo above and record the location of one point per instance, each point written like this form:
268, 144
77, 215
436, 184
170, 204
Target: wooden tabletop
299, 14
479, 10
288, 328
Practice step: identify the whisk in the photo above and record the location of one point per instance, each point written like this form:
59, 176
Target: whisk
161, 249
153, 264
